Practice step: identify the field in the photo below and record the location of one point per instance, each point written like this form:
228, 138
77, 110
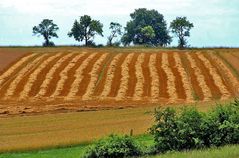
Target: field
57, 80
62, 96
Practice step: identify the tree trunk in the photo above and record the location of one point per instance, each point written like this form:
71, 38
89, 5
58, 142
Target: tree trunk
181, 43
46, 41
86, 41
110, 41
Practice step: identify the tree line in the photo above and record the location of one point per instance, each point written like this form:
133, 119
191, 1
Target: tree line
146, 27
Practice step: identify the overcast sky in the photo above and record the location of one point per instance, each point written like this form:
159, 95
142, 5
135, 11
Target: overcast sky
216, 21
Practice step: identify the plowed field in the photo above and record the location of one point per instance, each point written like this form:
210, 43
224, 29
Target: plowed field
88, 79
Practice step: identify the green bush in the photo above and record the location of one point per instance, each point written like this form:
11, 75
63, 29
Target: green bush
192, 129
112, 147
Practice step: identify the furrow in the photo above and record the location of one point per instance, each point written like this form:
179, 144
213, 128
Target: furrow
139, 87
154, 78
64, 75
117, 77
178, 79
13, 68
33, 77
49, 76
200, 78
94, 77
171, 87
162, 78
40, 78
216, 77
12, 87
234, 81
208, 77
110, 76
124, 81
71, 73
79, 76
185, 80
132, 77
147, 78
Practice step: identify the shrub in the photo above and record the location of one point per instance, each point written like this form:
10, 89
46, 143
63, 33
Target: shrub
112, 147
193, 129
223, 125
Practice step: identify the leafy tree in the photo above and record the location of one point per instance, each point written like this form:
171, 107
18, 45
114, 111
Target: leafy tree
181, 28
86, 29
147, 34
142, 18
48, 30
115, 30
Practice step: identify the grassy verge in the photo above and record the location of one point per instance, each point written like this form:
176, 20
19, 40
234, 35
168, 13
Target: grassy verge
78, 151
223, 152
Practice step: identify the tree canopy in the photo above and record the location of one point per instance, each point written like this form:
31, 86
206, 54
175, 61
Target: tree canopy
86, 29
142, 18
181, 28
115, 31
48, 30
147, 34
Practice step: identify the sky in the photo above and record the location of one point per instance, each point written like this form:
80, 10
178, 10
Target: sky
216, 22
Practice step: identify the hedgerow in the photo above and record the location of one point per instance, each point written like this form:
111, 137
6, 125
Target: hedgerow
192, 129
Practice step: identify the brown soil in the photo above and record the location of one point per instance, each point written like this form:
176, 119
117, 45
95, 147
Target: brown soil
23, 81
5, 86
233, 60
178, 82
147, 78
117, 76
57, 104
197, 90
70, 80
132, 76
40, 78
56, 76
85, 81
102, 76
9, 57
208, 78
223, 76
162, 78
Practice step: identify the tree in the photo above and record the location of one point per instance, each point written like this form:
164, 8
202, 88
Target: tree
86, 29
142, 18
48, 30
115, 30
147, 34
181, 28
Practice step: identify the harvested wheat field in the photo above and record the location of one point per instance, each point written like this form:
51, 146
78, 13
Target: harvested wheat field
61, 79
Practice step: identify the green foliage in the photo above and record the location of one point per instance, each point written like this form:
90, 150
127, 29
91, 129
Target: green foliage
48, 30
115, 31
181, 28
86, 29
147, 34
142, 18
192, 129
113, 146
